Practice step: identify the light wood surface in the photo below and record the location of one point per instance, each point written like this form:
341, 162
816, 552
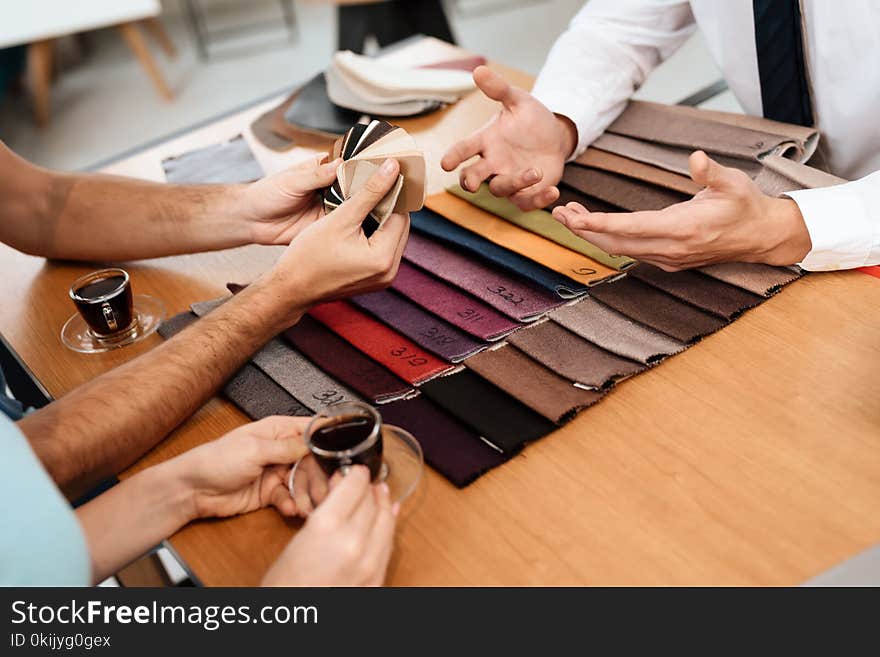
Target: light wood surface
752, 458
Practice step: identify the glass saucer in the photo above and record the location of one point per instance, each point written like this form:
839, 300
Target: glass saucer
77, 336
402, 465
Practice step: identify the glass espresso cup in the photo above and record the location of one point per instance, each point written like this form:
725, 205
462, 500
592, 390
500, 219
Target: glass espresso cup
346, 434
104, 299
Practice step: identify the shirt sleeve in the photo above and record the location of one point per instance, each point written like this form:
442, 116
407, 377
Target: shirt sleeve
605, 55
843, 222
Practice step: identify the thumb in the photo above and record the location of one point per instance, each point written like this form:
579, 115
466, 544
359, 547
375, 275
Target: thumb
708, 173
496, 87
355, 209
313, 175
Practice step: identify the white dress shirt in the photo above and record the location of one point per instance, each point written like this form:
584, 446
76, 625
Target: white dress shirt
612, 45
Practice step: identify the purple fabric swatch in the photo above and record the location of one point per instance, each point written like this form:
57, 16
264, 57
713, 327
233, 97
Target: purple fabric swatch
463, 310
450, 447
426, 330
513, 297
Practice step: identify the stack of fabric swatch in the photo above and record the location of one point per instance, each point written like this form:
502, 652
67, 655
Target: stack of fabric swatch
502, 325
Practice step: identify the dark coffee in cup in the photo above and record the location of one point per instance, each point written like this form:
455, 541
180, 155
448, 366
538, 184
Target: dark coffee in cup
346, 434
104, 300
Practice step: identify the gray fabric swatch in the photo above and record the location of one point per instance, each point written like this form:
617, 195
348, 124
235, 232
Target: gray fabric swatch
229, 162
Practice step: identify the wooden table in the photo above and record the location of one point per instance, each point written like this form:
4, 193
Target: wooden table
752, 458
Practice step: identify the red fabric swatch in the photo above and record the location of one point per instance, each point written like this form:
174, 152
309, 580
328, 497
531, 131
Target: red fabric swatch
873, 271
381, 343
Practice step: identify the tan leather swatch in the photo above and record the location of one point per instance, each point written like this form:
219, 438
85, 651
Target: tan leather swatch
534, 385
596, 159
564, 261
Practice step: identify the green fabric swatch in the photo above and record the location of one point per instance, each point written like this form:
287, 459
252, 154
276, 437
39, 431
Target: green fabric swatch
542, 223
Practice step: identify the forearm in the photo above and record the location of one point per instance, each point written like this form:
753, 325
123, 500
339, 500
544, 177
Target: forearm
123, 523
102, 427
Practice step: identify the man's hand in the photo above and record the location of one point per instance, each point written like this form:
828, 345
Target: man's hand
278, 208
522, 149
730, 220
347, 541
333, 258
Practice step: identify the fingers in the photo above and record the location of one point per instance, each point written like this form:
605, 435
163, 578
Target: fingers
279, 426
313, 175
355, 209
496, 87
707, 172
380, 542
504, 186
361, 521
301, 485
346, 494
389, 243
462, 150
626, 224
472, 176
530, 199
281, 500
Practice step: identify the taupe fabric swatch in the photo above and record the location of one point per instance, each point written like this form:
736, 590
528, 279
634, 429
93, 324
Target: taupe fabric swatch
760, 279
665, 124
596, 159
780, 175
671, 158
615, 332
702, 291
572, 357
658, 310
623, 192
531, 383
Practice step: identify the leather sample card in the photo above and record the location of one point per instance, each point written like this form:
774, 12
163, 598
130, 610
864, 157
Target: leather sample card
496, 416
463, 240
450, 447
312, 110
572, 357
545, 392
346, 363
428, 331
576, 266
704, 292
615, 332
506, 293
229, 162
658, 310
399, 354
754, 277
624, 166
463, 310
251, 390
541, 223
618, 190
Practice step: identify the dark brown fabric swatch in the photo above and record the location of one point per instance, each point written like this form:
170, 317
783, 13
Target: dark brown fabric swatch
704, 292
545, 392
572, 357
495, 415
658, 310
605, 161
754, 277
569, 194
623, 192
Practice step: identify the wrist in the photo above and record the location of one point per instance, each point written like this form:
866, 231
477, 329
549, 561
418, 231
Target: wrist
278, 298
168, 493
234, 206
790, 241
568, 136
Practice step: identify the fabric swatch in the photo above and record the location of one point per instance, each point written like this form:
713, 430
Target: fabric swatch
624, 166
569, 194
616, 332
618, 190
541, 223
346, 363
671, 158
658, 310
507, 294
578, 267
663, 124
251, 390
384, 345
765, 280
572, 357
432, 224
428, 331
229, 162
780, 175
704, 292
534, 385
450, 447
463, 310
873, 270
496, 416
312, 110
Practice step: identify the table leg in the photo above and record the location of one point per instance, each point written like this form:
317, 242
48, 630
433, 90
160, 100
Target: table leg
40, 74
157, 31
138, 46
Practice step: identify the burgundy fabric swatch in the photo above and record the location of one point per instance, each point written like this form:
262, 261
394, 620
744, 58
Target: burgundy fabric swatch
463, 310
754, 277
396, 352
656, 309
450, 447
346, 363
627, 193
704, 292
428, 331
496, 416
534, 385
515, 298
572, 357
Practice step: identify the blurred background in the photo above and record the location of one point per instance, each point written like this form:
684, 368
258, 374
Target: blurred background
83, 81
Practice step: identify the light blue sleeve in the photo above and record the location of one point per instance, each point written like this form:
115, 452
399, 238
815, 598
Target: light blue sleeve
41, 542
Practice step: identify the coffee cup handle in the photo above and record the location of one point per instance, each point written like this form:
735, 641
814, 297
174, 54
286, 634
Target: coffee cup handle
109, 316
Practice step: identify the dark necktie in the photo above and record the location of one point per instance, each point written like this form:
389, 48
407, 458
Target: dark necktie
778, 38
